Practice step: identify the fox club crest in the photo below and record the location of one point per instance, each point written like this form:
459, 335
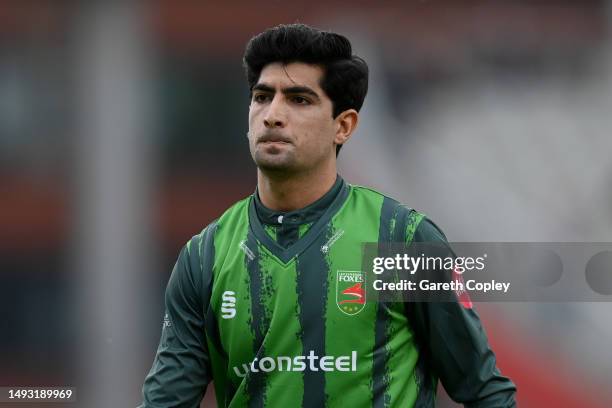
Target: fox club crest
350, 291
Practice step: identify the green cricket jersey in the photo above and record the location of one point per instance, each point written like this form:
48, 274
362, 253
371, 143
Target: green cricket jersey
270, 306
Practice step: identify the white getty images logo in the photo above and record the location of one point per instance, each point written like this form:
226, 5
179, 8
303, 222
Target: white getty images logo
228, 307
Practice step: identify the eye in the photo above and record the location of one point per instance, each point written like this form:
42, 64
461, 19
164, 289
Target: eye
261, 98
300, 100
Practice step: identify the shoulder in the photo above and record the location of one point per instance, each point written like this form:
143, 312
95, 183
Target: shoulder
373, 194
419, 227
194, 266
391, 204
237, 210
375, 198
428, 231
369, 192
199, 251
236, 213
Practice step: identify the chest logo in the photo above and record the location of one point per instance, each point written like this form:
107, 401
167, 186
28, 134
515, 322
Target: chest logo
350, 291
228, 306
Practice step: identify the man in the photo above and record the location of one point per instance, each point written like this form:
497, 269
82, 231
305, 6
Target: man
255, 302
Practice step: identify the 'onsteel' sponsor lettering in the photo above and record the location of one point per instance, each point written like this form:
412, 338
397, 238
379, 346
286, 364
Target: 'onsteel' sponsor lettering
299, 363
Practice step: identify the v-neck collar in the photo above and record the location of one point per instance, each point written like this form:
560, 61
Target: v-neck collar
340, 190
308, 214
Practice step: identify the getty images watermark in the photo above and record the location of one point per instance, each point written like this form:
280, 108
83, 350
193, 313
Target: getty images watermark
495, 272
456, 266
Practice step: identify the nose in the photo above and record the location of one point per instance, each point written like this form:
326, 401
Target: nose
275, 116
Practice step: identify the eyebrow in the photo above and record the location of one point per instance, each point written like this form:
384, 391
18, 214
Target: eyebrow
292, 90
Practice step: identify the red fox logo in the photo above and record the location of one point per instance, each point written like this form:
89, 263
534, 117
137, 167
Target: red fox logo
355, 290
351, 294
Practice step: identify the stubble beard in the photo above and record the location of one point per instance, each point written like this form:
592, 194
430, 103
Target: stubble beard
279, 163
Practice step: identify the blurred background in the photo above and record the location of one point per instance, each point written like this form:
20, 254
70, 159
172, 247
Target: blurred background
122, 134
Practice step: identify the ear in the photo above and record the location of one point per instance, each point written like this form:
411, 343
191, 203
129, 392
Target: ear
346, 123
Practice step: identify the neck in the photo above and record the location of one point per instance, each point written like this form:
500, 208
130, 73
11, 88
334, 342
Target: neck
288, 193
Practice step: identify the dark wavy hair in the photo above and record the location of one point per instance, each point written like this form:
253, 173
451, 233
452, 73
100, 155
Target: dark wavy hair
345, 78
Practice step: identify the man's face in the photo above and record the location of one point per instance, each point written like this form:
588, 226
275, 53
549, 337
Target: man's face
291, 128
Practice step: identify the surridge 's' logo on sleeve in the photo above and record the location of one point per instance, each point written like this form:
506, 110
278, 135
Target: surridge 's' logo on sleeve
167, 321
350, 291
228, 307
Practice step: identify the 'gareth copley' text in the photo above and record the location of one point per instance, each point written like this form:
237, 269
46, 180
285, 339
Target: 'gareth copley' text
454, 285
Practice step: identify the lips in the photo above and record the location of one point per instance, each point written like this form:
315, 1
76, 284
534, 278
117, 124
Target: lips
273, 139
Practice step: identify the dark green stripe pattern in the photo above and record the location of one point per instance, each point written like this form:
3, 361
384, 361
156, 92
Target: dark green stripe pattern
256, 380
312, 271
380, 377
